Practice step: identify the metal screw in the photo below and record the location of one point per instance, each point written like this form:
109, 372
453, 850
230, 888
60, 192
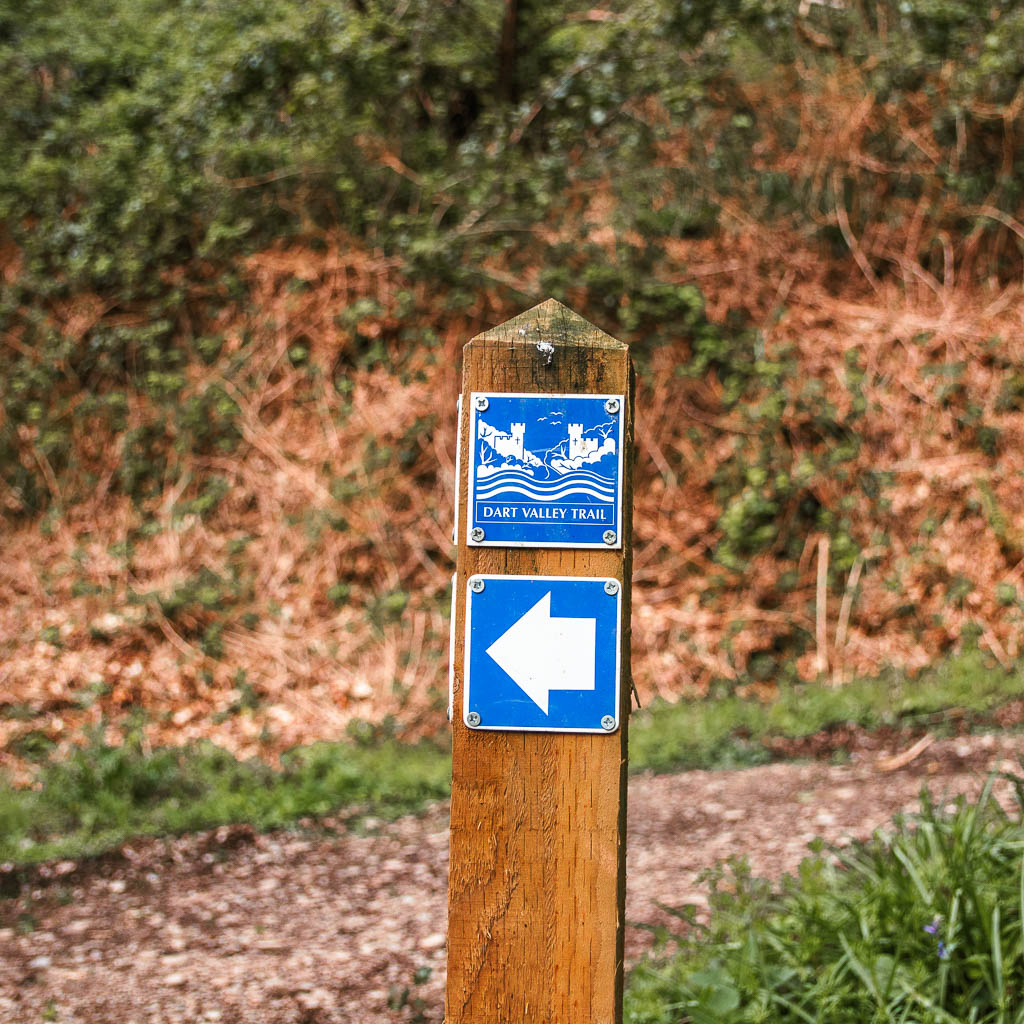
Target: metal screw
611, 587
609, 536
477, 533
612, 405
607, 723
481, 403
476, 584
472, 719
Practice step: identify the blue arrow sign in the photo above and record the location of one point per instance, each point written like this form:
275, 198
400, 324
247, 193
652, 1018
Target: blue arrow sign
542, 653
545, 470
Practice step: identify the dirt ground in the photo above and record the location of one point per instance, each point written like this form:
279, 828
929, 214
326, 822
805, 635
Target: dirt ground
233, 926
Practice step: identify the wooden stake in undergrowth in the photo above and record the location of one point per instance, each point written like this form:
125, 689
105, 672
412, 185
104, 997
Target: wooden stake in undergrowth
540, 675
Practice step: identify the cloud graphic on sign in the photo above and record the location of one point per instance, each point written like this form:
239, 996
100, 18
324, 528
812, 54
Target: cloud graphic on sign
565, 465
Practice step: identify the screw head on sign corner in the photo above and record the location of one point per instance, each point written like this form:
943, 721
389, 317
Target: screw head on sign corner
611, 587
472, 719
612, 405
481, 403
608, 723
477, 533
476, 585
609, 537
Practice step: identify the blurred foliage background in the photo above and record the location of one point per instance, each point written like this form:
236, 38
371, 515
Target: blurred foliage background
241, 247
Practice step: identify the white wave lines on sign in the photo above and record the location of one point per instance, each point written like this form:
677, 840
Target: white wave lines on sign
517, 482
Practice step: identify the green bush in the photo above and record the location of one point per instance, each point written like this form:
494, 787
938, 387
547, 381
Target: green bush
923, 923
143, 135
796, 449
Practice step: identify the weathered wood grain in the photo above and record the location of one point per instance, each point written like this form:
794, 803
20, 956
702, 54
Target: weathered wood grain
537, 876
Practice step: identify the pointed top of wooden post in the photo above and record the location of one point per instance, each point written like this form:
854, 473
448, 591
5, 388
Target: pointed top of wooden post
547, 348
553, 321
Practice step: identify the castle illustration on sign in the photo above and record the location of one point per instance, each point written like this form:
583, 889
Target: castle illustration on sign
571, 453
581, 447
509, 444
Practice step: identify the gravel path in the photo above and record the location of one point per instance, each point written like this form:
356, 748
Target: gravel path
232, 926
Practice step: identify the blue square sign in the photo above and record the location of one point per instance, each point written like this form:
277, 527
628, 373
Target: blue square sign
545, 471
542, 653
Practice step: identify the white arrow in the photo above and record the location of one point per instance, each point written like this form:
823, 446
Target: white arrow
542, 653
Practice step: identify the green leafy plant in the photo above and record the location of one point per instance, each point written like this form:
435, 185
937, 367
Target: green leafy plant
922, 923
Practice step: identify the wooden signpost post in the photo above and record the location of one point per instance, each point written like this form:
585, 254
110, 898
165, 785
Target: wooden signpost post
540, 675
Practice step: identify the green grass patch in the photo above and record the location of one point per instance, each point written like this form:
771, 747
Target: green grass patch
731, 731
102, 794
922, 924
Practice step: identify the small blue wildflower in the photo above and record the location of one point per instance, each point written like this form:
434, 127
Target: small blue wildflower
935, 929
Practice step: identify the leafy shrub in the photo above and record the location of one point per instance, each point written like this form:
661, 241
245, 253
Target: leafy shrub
920, 924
